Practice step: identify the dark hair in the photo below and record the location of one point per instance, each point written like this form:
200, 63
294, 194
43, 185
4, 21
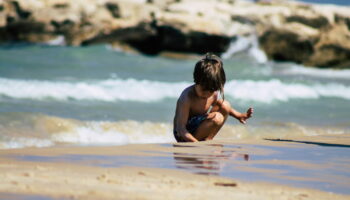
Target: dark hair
209, 73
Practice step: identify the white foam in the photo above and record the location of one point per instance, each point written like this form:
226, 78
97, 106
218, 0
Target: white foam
111, 90
275, 90
238, 45
91, 135
108, 90
58, 41
315, 72
22, 142
75, 132
127, 132
247, 44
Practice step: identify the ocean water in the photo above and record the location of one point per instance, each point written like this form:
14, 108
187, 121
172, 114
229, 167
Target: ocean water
59, 95
336, 2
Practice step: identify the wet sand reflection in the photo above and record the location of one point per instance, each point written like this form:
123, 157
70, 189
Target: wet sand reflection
208, 164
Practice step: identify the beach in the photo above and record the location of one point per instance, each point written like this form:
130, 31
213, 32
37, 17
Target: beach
88, 92
114, 173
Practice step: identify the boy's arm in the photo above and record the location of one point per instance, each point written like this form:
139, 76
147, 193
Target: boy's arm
183, 109
242, 117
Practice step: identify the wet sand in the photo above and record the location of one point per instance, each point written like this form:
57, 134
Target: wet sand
224, 169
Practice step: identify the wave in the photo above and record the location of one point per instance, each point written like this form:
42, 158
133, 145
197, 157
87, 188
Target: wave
275, 90
58, 41
315, 72
248, 44
110, 90
38, 130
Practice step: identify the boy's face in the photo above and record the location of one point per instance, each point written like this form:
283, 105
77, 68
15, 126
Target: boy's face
202, 93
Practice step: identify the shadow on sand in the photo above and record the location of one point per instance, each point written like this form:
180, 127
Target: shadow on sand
314, 143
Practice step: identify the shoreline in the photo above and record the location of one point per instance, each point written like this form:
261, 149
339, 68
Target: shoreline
149, 172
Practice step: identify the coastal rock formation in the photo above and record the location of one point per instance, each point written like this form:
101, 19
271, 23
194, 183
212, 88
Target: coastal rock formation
312, 35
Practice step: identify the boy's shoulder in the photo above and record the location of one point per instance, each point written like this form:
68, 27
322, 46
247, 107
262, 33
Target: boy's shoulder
186, 94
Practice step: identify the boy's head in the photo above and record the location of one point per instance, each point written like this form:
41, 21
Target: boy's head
209, 73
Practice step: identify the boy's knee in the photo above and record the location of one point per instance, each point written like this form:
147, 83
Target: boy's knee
218, 119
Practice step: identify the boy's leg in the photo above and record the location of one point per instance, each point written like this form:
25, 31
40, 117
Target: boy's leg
211, 126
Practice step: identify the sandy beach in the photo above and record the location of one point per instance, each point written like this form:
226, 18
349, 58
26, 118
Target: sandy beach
105, 173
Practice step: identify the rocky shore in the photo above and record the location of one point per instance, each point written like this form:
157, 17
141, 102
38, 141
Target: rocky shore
313, 35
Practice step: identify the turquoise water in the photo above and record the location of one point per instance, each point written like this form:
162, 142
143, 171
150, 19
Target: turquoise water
96, 95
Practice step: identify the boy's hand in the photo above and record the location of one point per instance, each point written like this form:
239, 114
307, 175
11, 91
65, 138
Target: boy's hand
246, 116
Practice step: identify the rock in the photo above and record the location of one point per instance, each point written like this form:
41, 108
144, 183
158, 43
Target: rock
314, 39
313, 35
317, 22
282, 45
332, 48
113, 9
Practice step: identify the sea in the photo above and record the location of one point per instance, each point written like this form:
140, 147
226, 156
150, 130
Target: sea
335, 2
53, 95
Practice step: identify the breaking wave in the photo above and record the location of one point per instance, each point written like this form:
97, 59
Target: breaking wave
276, 90
39, 130
319, 73
107, 90
249, 45
264, 91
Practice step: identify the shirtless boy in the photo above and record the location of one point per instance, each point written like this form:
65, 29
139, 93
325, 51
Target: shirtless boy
200, 112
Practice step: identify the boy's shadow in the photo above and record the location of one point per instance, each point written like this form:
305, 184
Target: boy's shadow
208, 164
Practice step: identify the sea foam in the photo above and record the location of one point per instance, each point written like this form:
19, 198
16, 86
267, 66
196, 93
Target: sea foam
248, 44
116, 133
40, 130
264, 91
315, 72
276, 90
22, 142
55, 131
107, 90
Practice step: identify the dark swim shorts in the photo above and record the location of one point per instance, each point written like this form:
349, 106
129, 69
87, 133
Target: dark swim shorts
191, 126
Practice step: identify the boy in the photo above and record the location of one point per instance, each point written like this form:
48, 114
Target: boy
200, 113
